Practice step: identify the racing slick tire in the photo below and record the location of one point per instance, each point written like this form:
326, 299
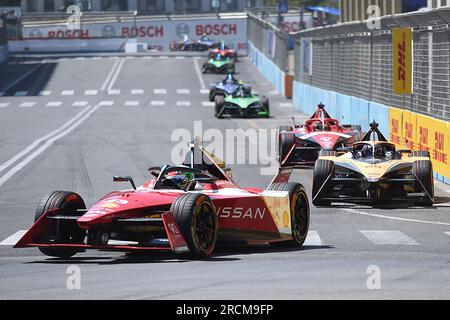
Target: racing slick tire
266, 105
425, 154
62, 231
300, 213
196, 216
285, 129
322, 171
423, 170
326, 153
220, 103
286, 141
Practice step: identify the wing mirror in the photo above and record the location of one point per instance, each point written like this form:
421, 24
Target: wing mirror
125, 179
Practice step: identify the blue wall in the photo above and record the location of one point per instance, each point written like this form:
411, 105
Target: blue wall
270, 70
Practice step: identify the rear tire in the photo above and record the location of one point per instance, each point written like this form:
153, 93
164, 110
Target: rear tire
62, 231
322, 170
196, 216
423, 170
220, 103
285, 129
286, 142
300, 213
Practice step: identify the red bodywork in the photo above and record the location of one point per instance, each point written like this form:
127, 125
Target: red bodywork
228, 53
320, 133
243, 215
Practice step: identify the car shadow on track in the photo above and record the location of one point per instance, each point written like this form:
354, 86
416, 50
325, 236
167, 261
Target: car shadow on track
223, 253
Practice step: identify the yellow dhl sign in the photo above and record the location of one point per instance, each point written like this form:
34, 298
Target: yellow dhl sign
418, 132
402, 60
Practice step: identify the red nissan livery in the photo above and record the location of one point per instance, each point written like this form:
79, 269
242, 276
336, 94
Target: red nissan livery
301, 145
185, 208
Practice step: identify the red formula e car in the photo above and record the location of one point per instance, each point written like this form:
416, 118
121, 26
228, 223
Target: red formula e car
300, 146
185, 208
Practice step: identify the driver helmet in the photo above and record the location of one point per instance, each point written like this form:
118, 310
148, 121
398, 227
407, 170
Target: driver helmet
379, 152
327, 127
230, 78
366, 151
318, 126
181, 179
218, 56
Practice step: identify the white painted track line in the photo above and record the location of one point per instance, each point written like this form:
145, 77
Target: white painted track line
285, 105
132, 103
199, 74
160, 91
204, 91
67, 93
388, 238
45, 93
208, 104
27, 105
106, 103
157, 103
184, 103
4, 104
91, 92
447, 233
183, 91
12, 240
54, 104
313, 239
114, 92
137, 91
80, 103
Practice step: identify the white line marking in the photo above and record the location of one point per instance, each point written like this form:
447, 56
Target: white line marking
313, 239
285, 105
199, 74
208, 104
113, 69
80, 58
160, 91
389, 238
157, 103
21, 93
114, 92
84, 116
5, 104
80, 104
91, 92
67, 93
137, 91
393, 218
106, 103
447, 233
180, 58
116, 75
204, 91
45, 93
183, 91
27, 105
164, 57
148, 58
184, 103
132, 103
54, 104
12, 240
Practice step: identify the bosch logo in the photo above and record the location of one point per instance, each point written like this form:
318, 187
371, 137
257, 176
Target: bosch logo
108, 31
182, 29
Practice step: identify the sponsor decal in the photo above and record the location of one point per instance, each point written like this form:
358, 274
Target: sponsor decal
286, 219
182, 29
108, 31
216, 29
173, 228
241, 213
144, 32
402, 60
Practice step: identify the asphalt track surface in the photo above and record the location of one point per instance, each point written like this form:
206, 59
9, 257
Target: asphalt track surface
94, 117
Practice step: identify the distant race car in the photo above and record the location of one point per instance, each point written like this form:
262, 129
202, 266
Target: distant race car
219, 64
300, 145
185, 208
204, 44
242, 103
373, 171
224, 88
224, 51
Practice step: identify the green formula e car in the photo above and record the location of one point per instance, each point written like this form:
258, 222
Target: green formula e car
242, 103
219, 64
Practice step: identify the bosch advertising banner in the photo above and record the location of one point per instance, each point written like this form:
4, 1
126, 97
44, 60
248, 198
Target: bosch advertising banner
158, 35
402, 60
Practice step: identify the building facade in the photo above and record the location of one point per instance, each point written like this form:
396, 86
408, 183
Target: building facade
357, 10
142, 6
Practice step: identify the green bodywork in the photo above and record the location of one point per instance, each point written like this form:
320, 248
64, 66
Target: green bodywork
219, 63
243, 102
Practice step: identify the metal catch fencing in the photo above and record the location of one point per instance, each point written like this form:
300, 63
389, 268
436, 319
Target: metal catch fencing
269, 39
354, 60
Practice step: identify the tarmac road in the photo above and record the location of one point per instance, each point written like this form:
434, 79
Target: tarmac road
76, 122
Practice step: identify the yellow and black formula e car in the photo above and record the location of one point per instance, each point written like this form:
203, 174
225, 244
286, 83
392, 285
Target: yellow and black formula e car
373, 171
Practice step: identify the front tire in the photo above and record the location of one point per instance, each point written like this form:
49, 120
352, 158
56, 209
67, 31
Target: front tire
423, 170
220, 103
285, 144
300, 213
62, 231
323, 169
196, 216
